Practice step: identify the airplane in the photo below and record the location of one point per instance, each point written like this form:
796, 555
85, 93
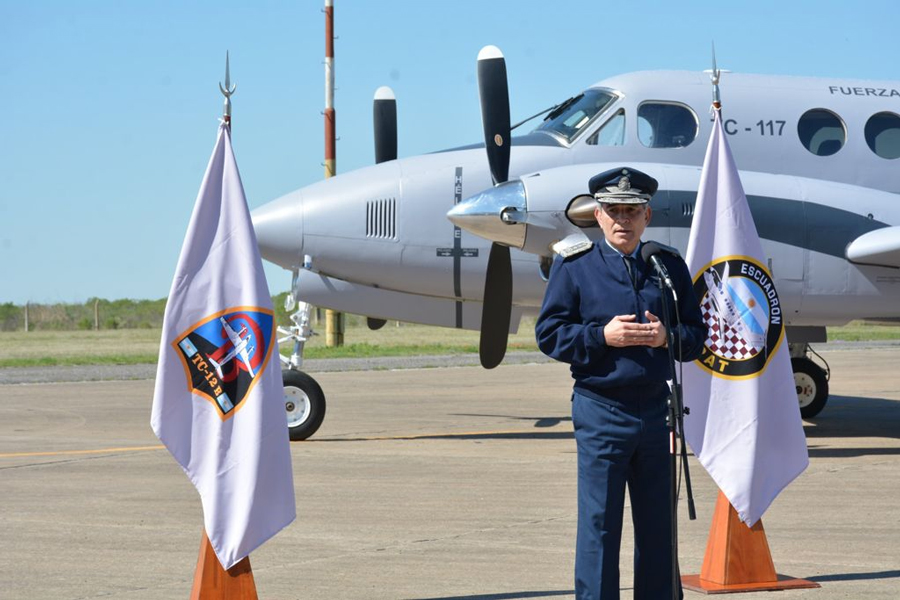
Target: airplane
748, 325
465, 237
239, 348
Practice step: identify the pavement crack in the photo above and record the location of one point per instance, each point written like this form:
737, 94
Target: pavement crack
471, 532
52, 463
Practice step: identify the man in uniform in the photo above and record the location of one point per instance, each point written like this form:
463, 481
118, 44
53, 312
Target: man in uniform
602, 315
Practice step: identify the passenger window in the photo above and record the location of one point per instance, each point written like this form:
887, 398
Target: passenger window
821, 132
612, 133
666, 125
883, 134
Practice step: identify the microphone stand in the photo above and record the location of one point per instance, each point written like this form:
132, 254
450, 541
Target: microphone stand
675, 424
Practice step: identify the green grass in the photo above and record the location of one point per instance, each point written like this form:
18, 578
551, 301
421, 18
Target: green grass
864, 331
57, 348
69, 361
137, 346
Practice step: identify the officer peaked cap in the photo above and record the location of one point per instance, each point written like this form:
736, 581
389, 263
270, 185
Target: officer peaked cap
623, 185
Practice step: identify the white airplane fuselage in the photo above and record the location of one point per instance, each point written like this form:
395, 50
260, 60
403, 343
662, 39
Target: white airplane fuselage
377, 241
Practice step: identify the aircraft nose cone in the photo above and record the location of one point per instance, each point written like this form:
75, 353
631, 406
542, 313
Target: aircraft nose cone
279, 230
497, 214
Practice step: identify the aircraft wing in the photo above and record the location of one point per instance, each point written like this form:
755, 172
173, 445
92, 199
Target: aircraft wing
245, 358
232, 334
880, 247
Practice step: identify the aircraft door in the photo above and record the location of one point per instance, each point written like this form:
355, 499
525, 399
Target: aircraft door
782, 228
660, 228
828, 282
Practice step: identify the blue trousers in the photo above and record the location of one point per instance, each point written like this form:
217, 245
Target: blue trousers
622, 442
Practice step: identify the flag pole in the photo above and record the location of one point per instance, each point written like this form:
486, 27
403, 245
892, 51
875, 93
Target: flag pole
737, 557
211, 580
714, 76
227, 91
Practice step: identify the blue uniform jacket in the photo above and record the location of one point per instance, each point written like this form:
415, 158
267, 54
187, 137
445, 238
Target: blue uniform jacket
585, 292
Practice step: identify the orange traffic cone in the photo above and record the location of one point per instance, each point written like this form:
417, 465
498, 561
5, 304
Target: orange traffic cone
212, 582
738, 558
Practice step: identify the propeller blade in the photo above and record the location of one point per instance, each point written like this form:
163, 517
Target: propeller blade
384, 116
497, 307
494, 94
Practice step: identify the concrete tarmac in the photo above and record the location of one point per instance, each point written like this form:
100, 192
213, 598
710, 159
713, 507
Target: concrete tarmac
424, 484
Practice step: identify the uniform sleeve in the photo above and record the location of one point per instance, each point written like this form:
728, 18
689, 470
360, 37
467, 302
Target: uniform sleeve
691, 333
560, 330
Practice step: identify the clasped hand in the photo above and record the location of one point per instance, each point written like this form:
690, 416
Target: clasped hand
624, 330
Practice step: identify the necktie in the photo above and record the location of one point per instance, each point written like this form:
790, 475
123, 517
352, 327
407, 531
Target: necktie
629, 266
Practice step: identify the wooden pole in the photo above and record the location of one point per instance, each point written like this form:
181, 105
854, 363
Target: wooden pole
27, 324
212, 582
738, 558
97, 314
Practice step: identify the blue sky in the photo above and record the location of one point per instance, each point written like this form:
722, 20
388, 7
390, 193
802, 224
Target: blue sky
108, 109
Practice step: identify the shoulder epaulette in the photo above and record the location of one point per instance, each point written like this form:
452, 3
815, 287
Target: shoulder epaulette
567, 248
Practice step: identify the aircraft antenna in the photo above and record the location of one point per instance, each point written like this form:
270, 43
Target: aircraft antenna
227, 91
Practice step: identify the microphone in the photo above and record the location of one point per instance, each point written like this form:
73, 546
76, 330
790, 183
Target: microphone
650, 252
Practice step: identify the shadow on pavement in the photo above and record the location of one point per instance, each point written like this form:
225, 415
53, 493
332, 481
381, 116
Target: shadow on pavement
852, 416
857, 576
505, 596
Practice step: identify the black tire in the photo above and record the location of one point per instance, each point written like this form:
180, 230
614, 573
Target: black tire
304, 404
812, 386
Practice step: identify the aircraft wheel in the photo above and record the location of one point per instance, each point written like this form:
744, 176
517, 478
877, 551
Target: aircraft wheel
304, 404
812, 386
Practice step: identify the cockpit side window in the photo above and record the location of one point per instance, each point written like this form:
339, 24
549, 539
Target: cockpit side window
611, 133
666, 125
575, 113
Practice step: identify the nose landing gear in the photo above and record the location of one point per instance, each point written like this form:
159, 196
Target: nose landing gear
304, 401
304, 404
811, 381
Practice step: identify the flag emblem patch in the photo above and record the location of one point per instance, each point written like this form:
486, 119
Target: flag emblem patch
743, 315
224, 354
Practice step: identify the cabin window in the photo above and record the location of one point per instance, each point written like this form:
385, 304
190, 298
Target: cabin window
666, 125
883, 134
611, 133
570, 117
821, 132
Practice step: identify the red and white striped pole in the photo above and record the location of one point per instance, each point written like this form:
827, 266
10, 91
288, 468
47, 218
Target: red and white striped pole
334, 321
330, 127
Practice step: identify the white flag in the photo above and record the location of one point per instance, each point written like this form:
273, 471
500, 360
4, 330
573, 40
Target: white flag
219, 399
744, 424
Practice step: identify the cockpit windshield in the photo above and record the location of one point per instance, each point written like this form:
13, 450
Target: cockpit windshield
571, 117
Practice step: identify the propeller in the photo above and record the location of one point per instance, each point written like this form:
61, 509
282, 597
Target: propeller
494, 95
497, 307
384, 118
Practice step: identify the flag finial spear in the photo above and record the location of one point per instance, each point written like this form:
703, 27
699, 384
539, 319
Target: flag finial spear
714, 78
227, 91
